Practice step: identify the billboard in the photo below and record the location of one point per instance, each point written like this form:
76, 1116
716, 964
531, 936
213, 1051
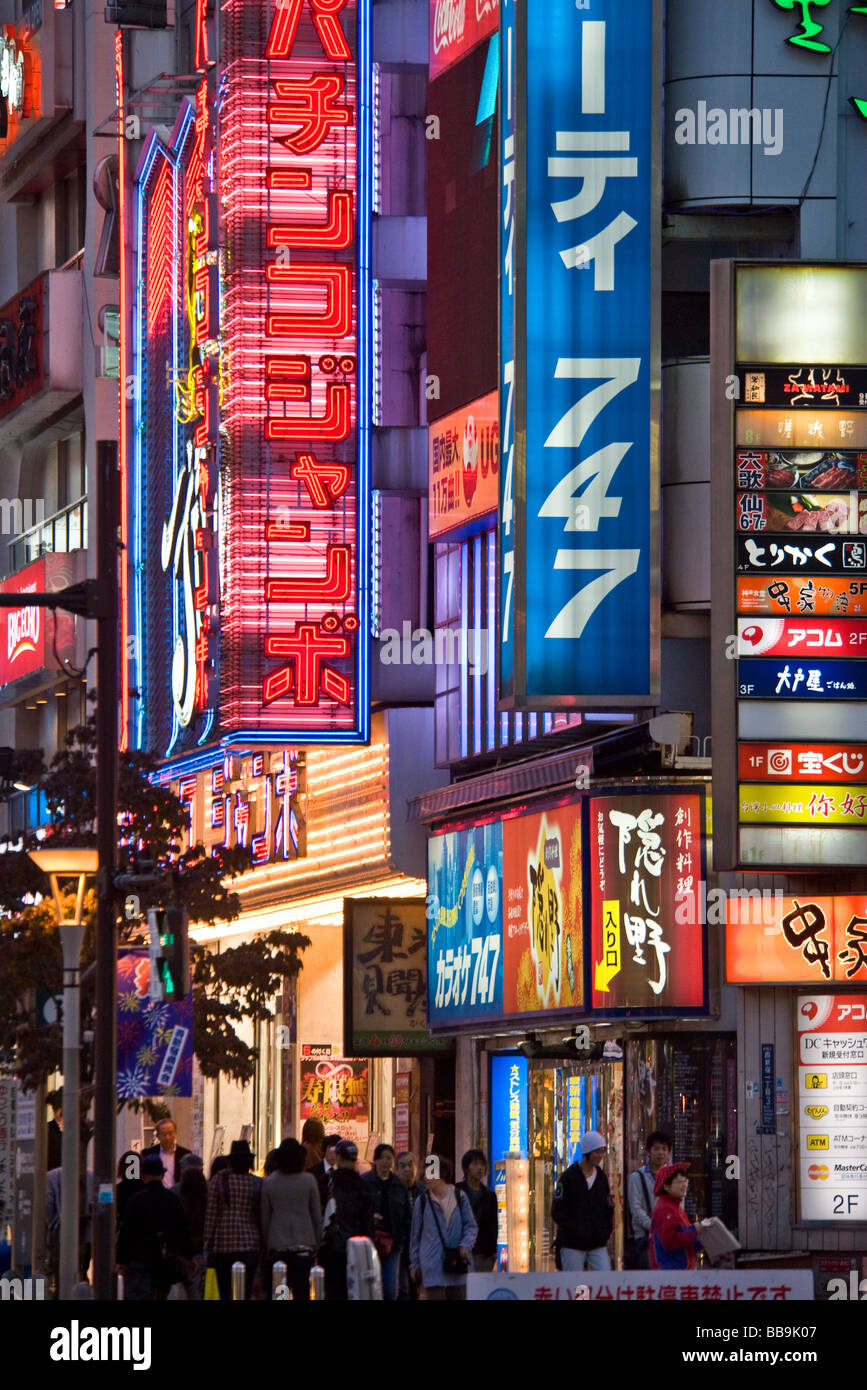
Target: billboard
336, 1090
579, 356
456, 26
385, 979
801, 940
789, 474
28, 635
543, 924
463, 460
832, 1107
154, 1039
646, 867
295, 175
465, 925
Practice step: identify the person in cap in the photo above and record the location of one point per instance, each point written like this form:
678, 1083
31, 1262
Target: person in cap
232, 1220
583, 1209
348, 1212
673, 1240
154, 1249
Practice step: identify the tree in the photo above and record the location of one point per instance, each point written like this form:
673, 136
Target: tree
231, 986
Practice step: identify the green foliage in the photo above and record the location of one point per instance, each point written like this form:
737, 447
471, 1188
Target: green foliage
232, 988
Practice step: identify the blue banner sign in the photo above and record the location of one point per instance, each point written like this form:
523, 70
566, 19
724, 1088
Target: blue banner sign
510, 1134
802, 679
465, 925
579, 355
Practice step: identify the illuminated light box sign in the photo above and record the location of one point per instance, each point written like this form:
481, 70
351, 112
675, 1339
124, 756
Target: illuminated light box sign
811, 597
826, 762
797, 940
543, 925
463, 459
295, 182
802, 637
20, 83
465, 925
804, 470
456, 26
803, 386
579, 356
510, 1134
828, 429
813, 680
832, 1096
176, 494
28, 634
385, 979
802, 513
256, 801
646, 866
765, 846
808, 804
817, 554
154, 1039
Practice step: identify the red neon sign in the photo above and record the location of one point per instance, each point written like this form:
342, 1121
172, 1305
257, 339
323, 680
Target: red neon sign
289, 158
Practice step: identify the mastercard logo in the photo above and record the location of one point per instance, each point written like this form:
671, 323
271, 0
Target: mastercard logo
818, 1170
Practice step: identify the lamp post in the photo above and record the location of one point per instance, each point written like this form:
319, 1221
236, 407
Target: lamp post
69, 866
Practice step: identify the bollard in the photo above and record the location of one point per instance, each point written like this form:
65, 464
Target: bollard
317, 1283
239, 1274
278, 1281
120, 1288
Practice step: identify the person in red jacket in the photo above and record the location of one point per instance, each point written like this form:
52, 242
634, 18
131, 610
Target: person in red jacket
673, 1240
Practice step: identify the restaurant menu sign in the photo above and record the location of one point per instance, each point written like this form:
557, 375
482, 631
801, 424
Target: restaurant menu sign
832, 1106
646, 870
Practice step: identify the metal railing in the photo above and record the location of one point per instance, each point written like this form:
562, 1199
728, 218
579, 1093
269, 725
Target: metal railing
64, 531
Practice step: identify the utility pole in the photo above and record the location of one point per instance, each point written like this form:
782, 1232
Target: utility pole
105, 1031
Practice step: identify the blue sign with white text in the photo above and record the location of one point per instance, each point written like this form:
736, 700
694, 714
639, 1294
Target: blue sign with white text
465, 925
579, 503
760, 677
510, 1133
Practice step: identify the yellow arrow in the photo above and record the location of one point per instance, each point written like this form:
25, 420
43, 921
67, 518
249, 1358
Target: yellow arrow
609, 965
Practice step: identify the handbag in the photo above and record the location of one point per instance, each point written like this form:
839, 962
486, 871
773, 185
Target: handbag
453, 1261
384, 1242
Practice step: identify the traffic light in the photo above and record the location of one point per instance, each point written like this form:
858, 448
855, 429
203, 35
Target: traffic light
170, 953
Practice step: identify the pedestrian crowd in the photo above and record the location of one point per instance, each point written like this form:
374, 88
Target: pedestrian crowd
180, 1233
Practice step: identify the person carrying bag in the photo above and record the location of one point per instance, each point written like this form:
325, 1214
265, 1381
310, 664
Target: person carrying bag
444, 1232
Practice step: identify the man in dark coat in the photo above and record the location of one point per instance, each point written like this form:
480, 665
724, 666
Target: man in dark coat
168, 1150
583, 1209
484, 1205
348, 1213
153, 1241
325, 1167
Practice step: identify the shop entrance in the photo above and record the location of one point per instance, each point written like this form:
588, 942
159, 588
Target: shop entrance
565, 1100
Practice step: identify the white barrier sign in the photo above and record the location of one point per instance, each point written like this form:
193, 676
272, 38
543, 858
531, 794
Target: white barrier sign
643, 1286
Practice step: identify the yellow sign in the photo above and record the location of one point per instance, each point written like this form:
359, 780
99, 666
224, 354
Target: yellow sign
816, 1112
810, 804
609, 965
817, 1141
816, 1081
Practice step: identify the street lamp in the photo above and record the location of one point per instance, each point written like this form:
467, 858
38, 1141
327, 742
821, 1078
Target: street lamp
70, 866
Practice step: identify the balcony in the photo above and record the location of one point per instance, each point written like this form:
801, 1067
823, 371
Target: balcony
40, 352
59, 534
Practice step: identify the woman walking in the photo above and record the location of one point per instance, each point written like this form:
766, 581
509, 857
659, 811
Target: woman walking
444, 1232
232, 1220
291, 1218
391, 1217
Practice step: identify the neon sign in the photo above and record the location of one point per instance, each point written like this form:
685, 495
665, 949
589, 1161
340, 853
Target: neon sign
294, 149
807, 34
253, 800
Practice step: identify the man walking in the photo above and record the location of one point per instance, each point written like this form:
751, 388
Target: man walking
349, 1212
583, 1209
153, 1246
406, 1167
641, 1199
167, 1150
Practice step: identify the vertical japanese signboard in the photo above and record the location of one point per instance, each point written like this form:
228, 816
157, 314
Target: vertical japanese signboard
465, 925
543, 923
832, 1106
646, 869
789, 470
295, 179
385, 979
579, 368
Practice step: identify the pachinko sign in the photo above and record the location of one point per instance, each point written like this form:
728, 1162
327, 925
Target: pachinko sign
295, 173
456, 26
646, 870
579, 480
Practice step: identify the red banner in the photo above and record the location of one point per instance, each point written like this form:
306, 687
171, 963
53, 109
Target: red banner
810, 596
456, 26
28, 634
802, 637
646, 872
794, 762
